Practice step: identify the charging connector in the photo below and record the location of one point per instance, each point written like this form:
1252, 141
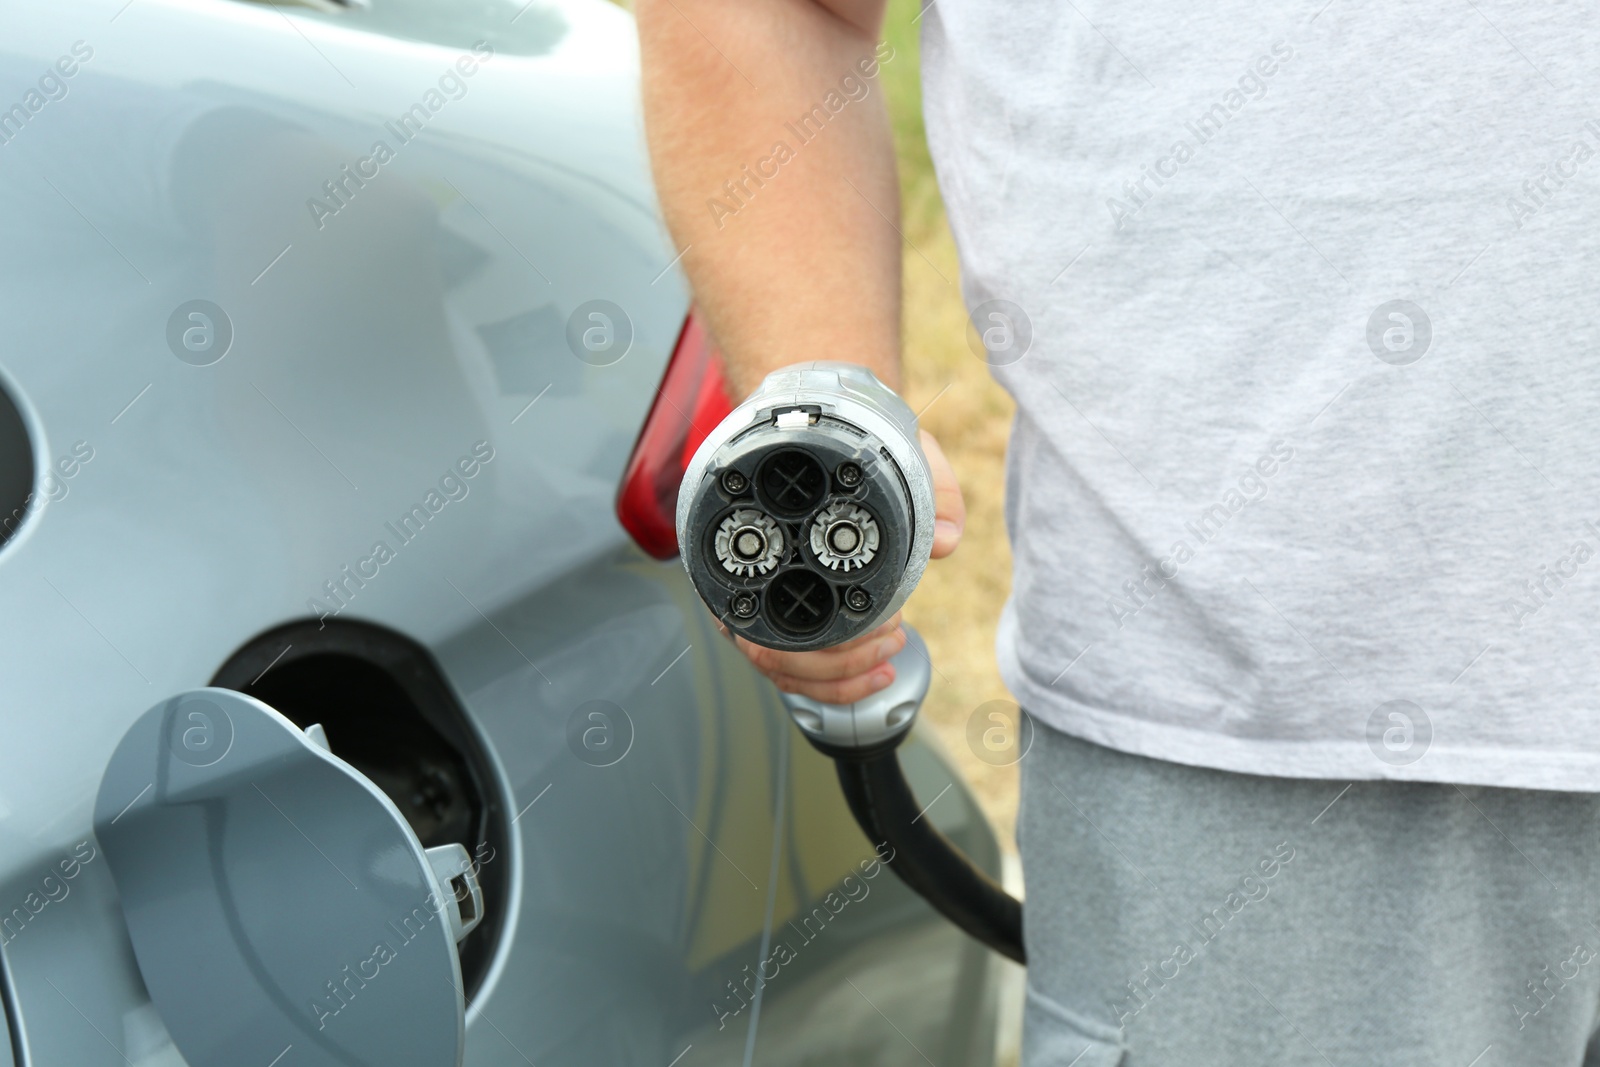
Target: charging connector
805, 519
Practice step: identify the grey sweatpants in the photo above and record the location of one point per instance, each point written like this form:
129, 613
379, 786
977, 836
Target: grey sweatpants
1189, 917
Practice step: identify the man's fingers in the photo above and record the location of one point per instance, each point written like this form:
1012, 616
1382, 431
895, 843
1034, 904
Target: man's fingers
949, 509
839, 691
753, 650
882, 630
832, 664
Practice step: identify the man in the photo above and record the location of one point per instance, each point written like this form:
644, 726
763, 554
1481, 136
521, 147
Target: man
1296, 308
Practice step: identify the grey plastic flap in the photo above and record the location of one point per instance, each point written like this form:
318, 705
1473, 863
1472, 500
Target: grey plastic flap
278, 903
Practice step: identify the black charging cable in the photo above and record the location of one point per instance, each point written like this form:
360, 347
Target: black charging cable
882, 802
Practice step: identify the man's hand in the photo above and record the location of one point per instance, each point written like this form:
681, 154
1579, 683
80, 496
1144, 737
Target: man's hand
849, 672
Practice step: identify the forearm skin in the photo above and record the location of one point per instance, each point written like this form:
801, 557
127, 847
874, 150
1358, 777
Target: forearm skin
789, 227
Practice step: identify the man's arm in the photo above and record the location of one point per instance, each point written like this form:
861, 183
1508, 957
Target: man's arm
785, 224
799, 265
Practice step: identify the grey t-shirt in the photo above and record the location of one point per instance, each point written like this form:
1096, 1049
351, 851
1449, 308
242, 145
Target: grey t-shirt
1299, 311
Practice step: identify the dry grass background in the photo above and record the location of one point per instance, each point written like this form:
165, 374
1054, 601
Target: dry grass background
958, 604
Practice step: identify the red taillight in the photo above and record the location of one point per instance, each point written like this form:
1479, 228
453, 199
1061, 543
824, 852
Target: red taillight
690, 401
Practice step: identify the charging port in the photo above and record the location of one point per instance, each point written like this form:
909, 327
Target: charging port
388, 711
